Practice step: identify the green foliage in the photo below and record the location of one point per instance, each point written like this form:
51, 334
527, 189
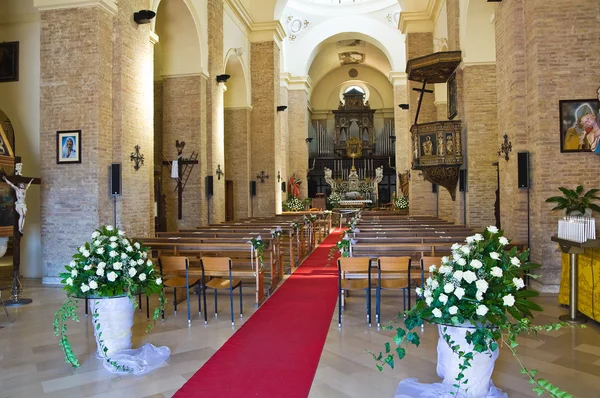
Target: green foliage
259, 246
480, 285
109, 265
573, 201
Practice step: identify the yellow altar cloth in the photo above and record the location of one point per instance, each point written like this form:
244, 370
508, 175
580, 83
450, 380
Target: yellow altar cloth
589, 283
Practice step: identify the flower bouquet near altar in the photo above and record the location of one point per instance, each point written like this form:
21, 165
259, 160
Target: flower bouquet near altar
109, 267
478, 299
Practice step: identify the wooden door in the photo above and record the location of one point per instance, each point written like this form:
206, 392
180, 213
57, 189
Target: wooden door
229, 200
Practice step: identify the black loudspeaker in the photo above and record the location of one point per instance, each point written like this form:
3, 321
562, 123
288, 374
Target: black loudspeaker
252, 188
209, 186
462, 180
115, 179
434, 188
523, 169
283, 185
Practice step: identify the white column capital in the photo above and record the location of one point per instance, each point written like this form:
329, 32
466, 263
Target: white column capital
267, 31
153, 37
415, 22
296, 82
398, 78
44, 5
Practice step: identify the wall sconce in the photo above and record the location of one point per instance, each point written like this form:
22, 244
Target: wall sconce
308, 140
219, 172
222, 78
143, 16
281, 108
404, 107
262, 176
278, 176
505, 148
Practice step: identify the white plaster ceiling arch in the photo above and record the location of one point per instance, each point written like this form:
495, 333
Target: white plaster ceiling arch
477, 32
344, 50
390, 41
195, 39
351, 83
238, 86
341, 7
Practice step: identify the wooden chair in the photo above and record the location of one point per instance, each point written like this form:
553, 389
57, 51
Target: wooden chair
219, 266
361, 266
393, 273
170, 270
4, 305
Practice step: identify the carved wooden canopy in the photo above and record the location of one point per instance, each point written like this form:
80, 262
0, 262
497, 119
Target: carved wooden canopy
354, 119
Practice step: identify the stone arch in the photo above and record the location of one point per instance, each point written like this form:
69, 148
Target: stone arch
477, 32
238, 82
190, 36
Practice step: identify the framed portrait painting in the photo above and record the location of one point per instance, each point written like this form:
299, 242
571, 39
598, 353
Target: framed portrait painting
9, 61
579, 129
452, 97
68, 146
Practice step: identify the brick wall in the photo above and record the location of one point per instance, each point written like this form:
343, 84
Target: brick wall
479, 120
264, 69
422, 200
402, 130
158, 122
215, 116
133, 118
453, 18
182, 121
75, 78
559, 64
298, 148
237, 159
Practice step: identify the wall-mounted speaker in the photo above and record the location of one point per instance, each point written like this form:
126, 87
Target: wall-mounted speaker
283, 186
209, 186
252, 188
462, 180
115, 179
434, 188
523, 169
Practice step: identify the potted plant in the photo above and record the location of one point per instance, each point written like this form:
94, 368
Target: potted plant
109, 271
477, 298
574, 203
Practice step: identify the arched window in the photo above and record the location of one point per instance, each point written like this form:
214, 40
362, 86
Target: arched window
357, 88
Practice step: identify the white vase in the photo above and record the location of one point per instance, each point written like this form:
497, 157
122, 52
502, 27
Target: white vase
478, 375
115, 317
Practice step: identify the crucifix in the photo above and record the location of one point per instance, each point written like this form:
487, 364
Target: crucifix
20, 185
184, 169
422, 91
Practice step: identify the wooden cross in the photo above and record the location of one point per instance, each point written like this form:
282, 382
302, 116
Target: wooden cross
422, 91
17, 288
182, 164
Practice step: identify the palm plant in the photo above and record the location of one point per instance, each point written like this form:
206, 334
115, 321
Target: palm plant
573, 201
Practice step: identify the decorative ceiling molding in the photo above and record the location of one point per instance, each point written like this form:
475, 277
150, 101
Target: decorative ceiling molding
422, 20
239, 10
267, 31
45, 5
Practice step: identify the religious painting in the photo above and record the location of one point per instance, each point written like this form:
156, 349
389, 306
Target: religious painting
579, 126
68, 146
428, 145
452, 97
9, 61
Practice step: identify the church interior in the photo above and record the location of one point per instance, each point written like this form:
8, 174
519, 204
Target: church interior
289, 138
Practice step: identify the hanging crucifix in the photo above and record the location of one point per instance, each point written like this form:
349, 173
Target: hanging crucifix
181, 169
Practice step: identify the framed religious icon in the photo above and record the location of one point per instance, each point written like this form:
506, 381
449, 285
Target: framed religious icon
452, 97
68, 146
9, 61
579, 125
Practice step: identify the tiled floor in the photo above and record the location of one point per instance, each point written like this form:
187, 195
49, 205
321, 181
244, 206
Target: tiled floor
31, 363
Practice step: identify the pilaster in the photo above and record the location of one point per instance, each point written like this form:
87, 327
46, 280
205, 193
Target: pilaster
299, 120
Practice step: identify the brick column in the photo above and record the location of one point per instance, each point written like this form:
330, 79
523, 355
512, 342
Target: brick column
453, 20
76, 94
401, 123
215, 115
422, 200
299, 120
237, 159
265, 74
183, 112
479, 101
132, 63
282, 144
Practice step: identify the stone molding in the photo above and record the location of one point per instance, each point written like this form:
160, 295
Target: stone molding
239, 10
296, 82
45, 5
267, 31
153, 38
421, 20
201, 74
398, 78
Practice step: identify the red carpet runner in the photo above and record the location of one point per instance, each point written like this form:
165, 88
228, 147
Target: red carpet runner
276, 352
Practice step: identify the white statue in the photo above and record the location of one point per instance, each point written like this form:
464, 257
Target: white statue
327, 173
19, 169
20, 205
